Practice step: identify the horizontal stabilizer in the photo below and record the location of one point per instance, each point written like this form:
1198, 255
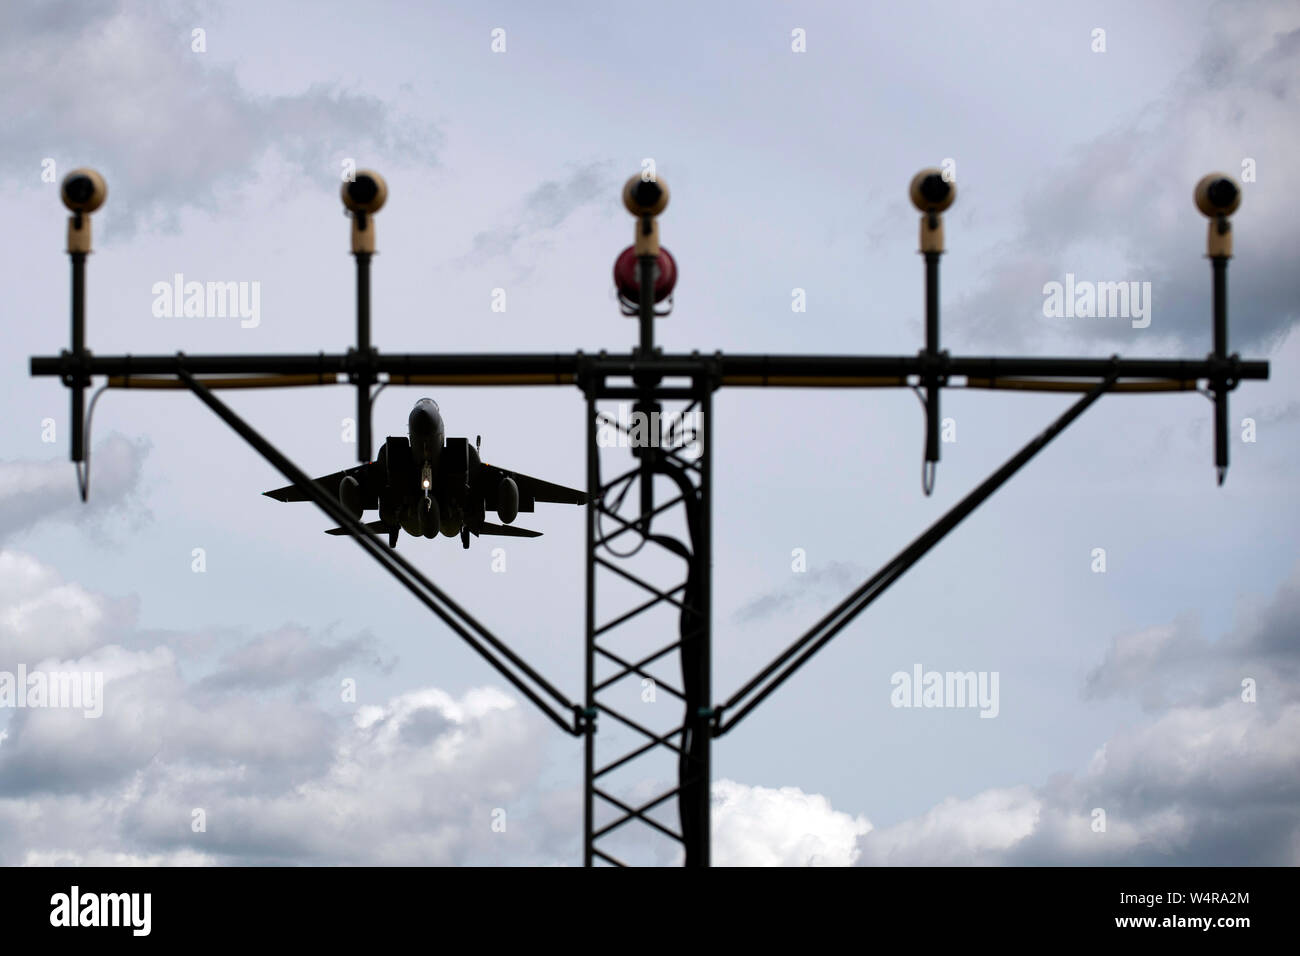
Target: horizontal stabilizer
374, 527
508, 531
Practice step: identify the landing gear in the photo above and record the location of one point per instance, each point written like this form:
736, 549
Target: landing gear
464, 537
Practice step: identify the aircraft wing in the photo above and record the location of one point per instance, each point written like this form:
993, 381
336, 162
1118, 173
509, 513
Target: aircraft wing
329, 482
530, 489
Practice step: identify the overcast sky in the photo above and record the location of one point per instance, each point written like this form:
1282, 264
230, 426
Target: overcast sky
1120, 691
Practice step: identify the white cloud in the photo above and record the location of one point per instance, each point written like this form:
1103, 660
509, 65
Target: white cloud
42, 616
957, 832
761, 826
412, 780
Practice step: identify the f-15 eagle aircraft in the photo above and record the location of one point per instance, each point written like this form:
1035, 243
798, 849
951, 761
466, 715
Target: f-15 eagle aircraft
426, 483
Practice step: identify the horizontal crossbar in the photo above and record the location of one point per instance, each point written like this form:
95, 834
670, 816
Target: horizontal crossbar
776, 381
791, 371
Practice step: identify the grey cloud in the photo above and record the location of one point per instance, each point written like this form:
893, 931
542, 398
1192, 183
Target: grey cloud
116, 86
32, 492
412, 782
1280, 415
1212, 780
384, 798
1177, 666
153, 719
545, 209
282, 778
820, 585
151, 713
1129, 192
1206, 787
425, 728
290, 655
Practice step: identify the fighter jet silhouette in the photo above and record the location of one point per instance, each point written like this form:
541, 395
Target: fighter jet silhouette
426, 482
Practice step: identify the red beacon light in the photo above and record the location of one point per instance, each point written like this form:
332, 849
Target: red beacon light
629, 288
645, 198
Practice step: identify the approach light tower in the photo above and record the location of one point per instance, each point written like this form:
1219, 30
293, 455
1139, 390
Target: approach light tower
645, 275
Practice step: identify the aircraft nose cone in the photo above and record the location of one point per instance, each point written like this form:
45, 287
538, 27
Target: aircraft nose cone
422, 421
